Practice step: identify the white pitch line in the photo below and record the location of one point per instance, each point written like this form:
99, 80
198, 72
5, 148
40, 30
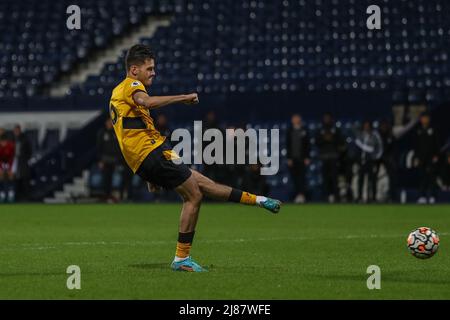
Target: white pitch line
46, 246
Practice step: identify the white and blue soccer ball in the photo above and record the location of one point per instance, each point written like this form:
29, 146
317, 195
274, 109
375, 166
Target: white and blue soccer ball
423, 242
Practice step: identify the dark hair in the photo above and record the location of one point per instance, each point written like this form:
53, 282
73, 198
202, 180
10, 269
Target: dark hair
137, 55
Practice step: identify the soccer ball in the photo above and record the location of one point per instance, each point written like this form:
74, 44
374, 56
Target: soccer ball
423, 243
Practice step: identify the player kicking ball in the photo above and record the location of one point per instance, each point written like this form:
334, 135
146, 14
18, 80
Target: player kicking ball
150, 155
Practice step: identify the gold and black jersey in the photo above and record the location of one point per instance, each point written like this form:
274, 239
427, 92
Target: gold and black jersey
133, 125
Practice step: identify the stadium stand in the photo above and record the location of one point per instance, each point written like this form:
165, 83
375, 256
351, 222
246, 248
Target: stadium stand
240, 55
37, 53
242, 46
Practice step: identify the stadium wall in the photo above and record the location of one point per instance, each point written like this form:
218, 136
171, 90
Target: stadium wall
247, 106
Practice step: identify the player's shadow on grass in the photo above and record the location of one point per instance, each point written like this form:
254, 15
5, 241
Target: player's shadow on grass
154, 266
158, 266
21, 274
396, 276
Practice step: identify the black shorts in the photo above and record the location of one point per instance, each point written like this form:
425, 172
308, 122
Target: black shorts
159, 170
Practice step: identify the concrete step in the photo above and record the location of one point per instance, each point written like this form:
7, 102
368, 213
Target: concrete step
75, 190
61, 195
56, 201
79, 181
108, 55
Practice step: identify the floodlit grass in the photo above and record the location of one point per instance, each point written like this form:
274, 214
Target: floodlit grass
304, 252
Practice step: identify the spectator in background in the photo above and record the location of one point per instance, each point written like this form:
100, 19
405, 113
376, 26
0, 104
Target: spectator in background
253, 181
444, 173
298, 155
126, 187
163, 126
371, 148
21, 158
388, 158
211, 121
331, 144
426, 151
216, 172
232, 174
7, 151
347, 159
108, 155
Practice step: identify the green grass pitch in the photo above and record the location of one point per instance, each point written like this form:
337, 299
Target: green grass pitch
304, 252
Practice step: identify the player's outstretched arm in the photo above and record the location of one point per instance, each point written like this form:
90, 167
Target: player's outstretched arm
143, 99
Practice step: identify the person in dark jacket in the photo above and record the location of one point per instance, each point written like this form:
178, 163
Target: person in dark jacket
347, 159
253, 181
163, 126
298, 155
218, 172
108, 155
371, 148
22, 155
444, 173
388, 158
426, 151
331, 145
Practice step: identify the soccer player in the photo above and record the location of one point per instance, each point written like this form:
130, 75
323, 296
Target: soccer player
150, 155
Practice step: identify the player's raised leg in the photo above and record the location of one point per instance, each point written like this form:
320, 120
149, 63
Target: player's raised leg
192, 198
218, 191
